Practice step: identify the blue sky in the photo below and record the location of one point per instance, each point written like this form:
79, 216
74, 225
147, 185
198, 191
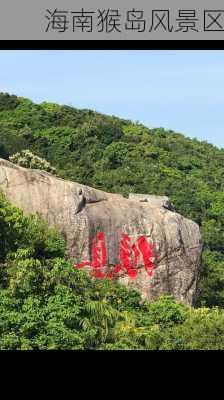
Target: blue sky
178, 90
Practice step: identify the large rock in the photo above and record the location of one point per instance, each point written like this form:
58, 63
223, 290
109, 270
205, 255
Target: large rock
79, 212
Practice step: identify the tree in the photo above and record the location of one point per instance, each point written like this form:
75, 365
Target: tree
29, 160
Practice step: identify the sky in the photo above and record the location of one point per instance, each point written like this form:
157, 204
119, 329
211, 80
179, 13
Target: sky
178, 90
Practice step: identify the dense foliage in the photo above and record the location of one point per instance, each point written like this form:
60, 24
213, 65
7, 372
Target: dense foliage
119, 156
47, 304
44, 302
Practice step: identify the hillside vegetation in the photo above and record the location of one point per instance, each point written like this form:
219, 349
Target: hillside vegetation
120, 156
46, 304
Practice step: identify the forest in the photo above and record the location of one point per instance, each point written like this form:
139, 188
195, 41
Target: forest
45, 303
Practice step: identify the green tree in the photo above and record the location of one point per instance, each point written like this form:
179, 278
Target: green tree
29, 160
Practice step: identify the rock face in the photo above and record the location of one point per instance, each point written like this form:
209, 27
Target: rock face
155, 201
81, 212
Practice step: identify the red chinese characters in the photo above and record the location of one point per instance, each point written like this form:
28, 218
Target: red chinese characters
129, 256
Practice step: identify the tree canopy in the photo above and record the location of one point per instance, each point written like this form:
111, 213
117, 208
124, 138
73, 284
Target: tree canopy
46, 304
